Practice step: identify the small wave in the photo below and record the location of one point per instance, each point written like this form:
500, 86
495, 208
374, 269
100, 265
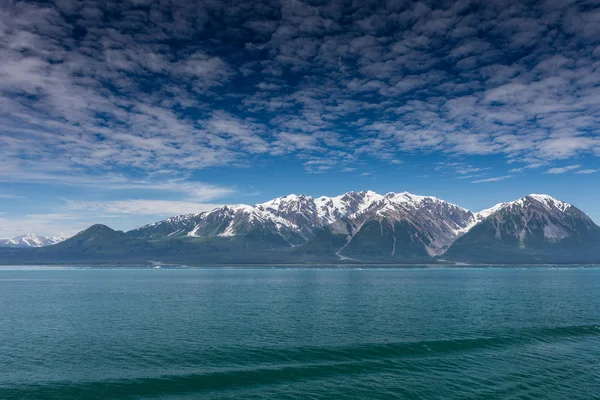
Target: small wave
268, 366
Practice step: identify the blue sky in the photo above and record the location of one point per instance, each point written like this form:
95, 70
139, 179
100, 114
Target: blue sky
127, 112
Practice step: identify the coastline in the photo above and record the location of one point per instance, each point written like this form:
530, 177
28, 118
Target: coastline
315, 266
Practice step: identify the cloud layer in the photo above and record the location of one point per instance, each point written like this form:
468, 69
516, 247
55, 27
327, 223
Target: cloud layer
160, 88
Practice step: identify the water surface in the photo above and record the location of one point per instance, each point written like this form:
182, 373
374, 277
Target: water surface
429, 333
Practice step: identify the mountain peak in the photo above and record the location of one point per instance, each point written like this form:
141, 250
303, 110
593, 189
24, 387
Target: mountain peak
548, 201
368, 192
99, 228
536, 227
30, 235
540, 196
545, 200
406, 196
287, 200
96, 232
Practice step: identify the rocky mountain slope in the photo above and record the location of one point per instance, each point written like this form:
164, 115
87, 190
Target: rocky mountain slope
535, 228
395, 226
292, 216
296, 218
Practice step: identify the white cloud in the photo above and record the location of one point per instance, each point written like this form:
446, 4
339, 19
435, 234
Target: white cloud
586, 171
61, 225
469, 176
184, 108
562, 170
71, 216
190, 190
76, 215
494, 179
112, 108
158, 208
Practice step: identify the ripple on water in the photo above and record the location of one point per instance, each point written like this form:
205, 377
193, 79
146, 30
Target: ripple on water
300, 334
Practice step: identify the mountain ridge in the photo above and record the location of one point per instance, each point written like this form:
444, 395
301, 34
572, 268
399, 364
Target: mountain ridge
391, 226
351, 228
297, 212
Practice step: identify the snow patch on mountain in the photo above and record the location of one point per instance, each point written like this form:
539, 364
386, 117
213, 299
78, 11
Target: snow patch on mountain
483, 214
174, 220
227, 221
437, 222
549, 202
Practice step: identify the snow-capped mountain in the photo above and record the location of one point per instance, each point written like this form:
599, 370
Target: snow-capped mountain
398, 224
296, 218
307, 213
548, 202
30, 240
437, 222
539, 214
296, 213
353, 227
225, 221
179, 225
533, 226
240, 220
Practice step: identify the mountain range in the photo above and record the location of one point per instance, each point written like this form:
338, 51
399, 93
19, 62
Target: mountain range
356, 227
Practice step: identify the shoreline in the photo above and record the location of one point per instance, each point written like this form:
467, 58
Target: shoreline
373, 266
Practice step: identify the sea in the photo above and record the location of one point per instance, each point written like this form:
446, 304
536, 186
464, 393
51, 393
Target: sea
300, 333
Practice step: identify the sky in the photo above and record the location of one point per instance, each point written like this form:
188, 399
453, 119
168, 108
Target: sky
127, 112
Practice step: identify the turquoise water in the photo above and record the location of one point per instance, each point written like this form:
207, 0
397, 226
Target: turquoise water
481, 333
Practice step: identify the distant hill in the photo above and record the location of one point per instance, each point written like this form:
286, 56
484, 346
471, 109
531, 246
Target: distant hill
29, 240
